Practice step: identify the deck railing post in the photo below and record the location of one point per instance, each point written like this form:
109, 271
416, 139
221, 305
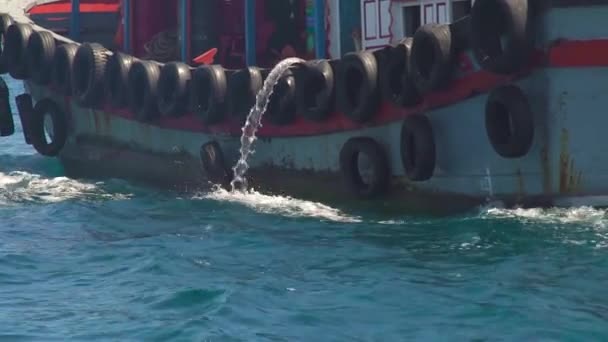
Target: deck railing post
319, 12
449, 15
75, 20
250, 50
183, 8
126, 25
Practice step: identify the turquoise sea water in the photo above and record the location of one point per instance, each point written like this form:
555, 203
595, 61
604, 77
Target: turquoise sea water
89, 260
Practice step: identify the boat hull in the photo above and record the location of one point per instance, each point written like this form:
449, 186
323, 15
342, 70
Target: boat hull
469, 173
563, 166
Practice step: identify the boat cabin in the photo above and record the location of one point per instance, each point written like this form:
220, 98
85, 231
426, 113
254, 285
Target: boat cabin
237, 33
387, 21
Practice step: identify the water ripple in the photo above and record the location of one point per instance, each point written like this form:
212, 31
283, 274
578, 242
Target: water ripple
87, 260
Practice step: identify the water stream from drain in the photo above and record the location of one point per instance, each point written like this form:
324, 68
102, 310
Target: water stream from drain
253, 121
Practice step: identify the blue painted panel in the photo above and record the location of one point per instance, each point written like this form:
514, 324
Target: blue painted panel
320, 34
575, 23
75, 21
126, 19
350, 20
250, 50
183, 29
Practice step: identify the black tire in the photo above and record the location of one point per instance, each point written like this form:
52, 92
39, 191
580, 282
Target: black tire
315, 95
88, 74
417, 148
40, 53
357, 90
209, 91
143, 89
380, 180
396, 84
282, 103
116, 79
214, 164
432, 61
509, 122
17, 37
173, 89
7, 125
5, 22
63, 65
490, 20
37, 129
25, 107
460, 30
243, 86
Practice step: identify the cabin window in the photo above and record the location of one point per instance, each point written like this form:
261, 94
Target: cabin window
411, 20
460, 9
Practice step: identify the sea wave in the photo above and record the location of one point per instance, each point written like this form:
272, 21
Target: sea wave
279, 205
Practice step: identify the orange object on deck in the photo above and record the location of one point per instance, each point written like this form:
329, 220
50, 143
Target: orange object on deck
206, 58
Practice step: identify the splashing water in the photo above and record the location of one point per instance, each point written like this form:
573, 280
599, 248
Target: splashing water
279, 205
253, 121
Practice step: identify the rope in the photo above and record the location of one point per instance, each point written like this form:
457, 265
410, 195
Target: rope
163, 47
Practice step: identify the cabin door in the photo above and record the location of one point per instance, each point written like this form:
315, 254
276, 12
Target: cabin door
376, 23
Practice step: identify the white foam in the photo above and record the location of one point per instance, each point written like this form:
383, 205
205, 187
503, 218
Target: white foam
19, 186
575, 215
279, 205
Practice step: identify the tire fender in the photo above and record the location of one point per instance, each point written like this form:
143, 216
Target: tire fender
5, 22
432, 61
173, 89
37, 128
243, 87
40, 53
15, 50
357, 94
63, 65
349, 164
209, 92
315, 91
7, 125
417, 148
282, 103
143, 89
214, 164
88, 74
116, 79
395, 81
490, 20
509, 121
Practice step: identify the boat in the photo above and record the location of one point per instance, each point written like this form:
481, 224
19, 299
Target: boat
418, 106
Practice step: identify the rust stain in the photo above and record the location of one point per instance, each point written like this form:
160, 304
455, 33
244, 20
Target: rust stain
546, 169
569, 178
101, 122
96, 122
107, 120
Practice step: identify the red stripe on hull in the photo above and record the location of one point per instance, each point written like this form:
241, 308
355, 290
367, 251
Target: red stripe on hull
579, 53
